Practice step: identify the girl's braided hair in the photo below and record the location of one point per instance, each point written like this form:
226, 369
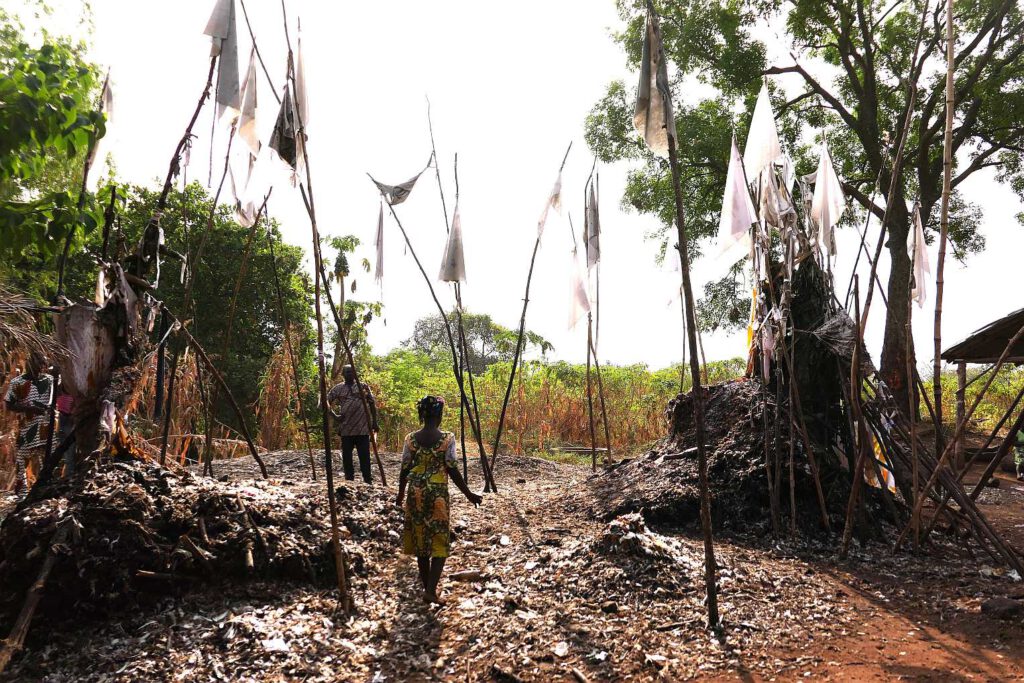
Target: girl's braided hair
430, 406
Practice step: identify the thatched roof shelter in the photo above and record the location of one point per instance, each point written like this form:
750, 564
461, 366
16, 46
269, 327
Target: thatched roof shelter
988, 343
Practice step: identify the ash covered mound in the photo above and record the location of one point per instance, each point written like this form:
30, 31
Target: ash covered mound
664, 484
130, 533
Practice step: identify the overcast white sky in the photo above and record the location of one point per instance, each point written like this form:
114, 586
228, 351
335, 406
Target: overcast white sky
510, 85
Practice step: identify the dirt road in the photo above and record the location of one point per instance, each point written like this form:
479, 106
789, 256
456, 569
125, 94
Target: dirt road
552, 595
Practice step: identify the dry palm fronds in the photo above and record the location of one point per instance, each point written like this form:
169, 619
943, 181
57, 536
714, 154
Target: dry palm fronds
277, 429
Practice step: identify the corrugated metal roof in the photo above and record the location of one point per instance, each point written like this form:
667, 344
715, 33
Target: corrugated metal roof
988, 343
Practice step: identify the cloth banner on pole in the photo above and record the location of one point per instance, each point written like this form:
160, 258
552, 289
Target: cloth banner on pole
763, 148
653, 116
396, 194
453, 267
828, 203
738, 214
222, 30
378, 242
247, 116
99, 148
283, 138
579, 301
922, 267
593, 233
554, 202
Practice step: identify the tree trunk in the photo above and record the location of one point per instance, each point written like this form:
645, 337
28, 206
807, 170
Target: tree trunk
893, 366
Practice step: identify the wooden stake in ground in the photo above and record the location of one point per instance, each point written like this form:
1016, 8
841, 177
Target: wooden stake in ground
947, 176
345, 596
858, 417
522, 328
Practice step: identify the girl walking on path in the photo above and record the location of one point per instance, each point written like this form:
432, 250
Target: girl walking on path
428, 461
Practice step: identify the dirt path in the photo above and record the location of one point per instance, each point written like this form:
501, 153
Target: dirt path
563, 597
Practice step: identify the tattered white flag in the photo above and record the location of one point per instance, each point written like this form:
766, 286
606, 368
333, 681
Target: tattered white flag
301, 109
828, 202
579, 301
247, 116
737, 212
763, 148
922, 267
554, 202
653, 116
396, 194
453, 267
221, 28
283, 137
100, 146
593, 233
378, 242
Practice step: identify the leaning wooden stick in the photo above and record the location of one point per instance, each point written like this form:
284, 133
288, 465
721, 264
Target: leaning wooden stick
286, 329
522, 331
959, 431
332, 503
489, 484
219, 379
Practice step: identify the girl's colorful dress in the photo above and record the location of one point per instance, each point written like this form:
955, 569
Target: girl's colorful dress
427, 531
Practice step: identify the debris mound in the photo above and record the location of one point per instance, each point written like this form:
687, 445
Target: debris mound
131, 533
664, 484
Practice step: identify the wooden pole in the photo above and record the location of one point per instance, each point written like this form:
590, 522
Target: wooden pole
863, 447
710, 569
604, 411
912, 416
959, 429
590, 395
961, 393
947, 176
290, 349
519, 337
339, 557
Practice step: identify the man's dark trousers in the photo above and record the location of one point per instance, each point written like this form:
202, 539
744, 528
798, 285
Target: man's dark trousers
362, 445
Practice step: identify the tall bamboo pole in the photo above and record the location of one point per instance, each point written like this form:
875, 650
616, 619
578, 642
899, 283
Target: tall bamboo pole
858, 417
590, 395
912, 416
339, 559
947, 176
519, 337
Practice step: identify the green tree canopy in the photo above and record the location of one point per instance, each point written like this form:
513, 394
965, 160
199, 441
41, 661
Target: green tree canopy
486, 341
48, 116
854, 62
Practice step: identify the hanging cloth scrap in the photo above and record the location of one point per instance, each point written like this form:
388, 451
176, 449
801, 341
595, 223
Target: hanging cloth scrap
828, 203
763, 148
396, 194
554, 202
593, 233
378, 243
453, 267
653, 116
738, 214
922, 267
221, 28
579, 302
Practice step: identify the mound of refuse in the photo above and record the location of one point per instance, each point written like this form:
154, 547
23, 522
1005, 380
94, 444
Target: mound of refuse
663, 485
125, 534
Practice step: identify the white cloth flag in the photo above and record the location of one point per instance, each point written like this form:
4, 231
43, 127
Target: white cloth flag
247, 116
579, 301
653, 116
828, 203
737, 212
378, 242
100, 147
593, 233
922, 267
453, 267
554, 202
221, 28
301, 110
763, 148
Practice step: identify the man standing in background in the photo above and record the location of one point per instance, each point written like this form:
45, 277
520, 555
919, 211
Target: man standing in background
352, 423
